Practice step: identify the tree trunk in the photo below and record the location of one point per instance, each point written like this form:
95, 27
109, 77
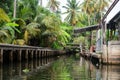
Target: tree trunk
14, 13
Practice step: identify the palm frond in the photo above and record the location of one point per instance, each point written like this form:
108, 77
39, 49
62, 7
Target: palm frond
3, 16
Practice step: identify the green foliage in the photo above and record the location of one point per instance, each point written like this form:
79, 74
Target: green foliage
72, 11
79, 40
94, 10
56, 35
53, 5
26, 70
3, 16
61, 70
7, 6
35, 25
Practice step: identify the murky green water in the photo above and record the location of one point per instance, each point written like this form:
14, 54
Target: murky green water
63, 68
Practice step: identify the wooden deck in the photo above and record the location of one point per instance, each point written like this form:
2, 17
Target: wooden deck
11, 53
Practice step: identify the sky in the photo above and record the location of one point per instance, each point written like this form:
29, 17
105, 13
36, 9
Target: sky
62, 3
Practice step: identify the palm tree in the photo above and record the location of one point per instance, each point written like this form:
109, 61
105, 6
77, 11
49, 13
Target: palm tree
3, 19
53, 5
3, 16
53, 32
72, 11
88, 6
102, 4
94, 9
27, 9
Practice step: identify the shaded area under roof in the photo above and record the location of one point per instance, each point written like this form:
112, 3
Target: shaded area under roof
88, 28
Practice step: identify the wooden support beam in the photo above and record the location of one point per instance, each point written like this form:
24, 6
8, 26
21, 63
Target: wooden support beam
36, 54
11, 56
1, 72
1, 55
42, 53
26, 55
32, 54
19, 55
39, 54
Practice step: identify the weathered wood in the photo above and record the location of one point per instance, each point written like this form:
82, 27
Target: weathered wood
32, 54
1, 72
36, 52
1, 55
19, 55
11, 56
26, 55
39, 54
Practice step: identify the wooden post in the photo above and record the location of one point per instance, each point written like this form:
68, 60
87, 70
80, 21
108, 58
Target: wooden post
39, 53
1, 55
32, 54
36, 54
47, 53
11, 56
1, 72
10, 70
90, 38
26, 55
19, 55
19, 69
32, 65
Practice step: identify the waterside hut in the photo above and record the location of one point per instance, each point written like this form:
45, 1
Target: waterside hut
110, 35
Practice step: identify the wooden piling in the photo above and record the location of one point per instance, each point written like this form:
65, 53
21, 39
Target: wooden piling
39, 53
1, 55
11, 56
32, 54
1, 72
26, 55
19, 55
36, 54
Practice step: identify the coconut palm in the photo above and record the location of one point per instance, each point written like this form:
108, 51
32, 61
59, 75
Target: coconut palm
27, 9
53, 33
102, 4
3, 19
53, 5
72, 11
94, 9
3, 16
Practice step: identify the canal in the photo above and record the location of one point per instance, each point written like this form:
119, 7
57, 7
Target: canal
71, 67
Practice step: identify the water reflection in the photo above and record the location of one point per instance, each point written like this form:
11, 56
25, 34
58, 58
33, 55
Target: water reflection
64, 68
14, 71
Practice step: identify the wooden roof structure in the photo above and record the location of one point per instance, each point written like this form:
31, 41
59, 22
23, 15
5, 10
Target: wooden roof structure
88, 28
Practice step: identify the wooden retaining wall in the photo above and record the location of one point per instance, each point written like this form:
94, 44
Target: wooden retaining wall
11, 53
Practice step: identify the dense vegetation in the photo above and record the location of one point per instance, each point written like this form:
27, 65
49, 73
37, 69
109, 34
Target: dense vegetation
26, 22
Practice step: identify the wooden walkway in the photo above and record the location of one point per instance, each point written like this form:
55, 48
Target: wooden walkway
11, 53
